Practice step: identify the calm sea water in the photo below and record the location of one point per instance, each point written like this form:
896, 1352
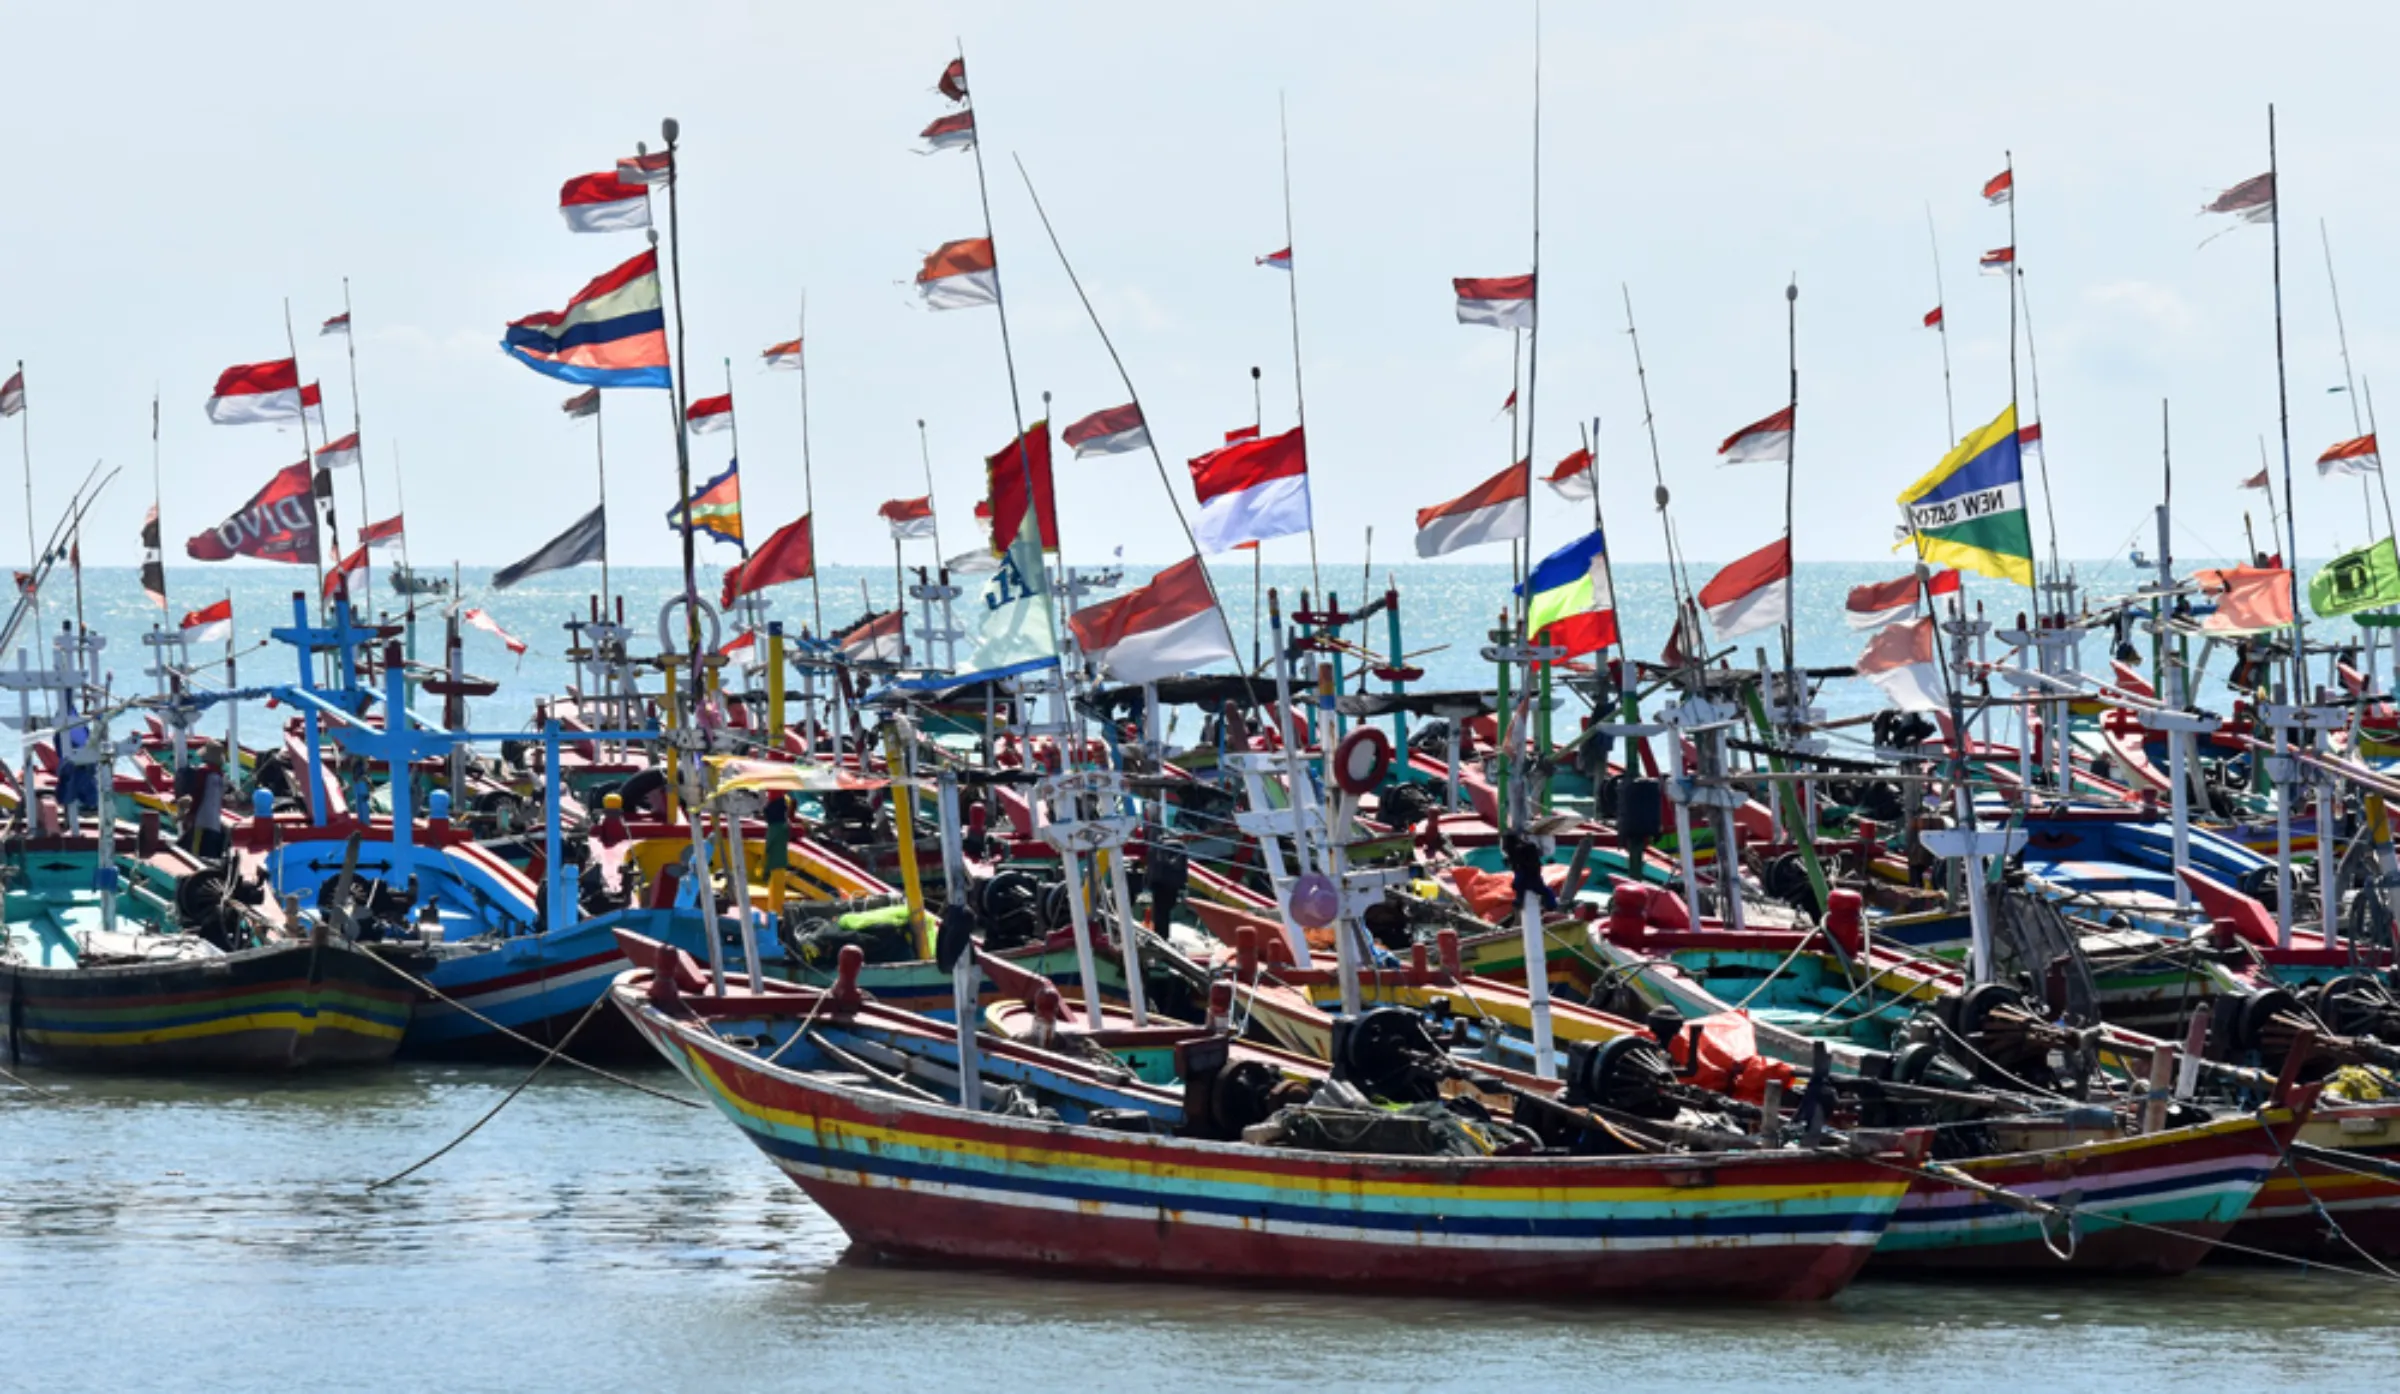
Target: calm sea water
219, 1235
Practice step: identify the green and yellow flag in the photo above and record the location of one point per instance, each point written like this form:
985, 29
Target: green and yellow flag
1970, 511
2362, 580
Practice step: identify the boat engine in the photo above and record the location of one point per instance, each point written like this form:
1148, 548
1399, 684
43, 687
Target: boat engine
1388, 1054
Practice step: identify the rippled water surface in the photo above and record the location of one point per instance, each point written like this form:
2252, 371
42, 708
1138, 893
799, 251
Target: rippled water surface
221, 1236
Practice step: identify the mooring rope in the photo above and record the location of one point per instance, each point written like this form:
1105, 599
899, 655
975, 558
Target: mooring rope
505, 1100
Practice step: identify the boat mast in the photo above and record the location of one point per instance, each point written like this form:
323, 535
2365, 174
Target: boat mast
1283, 122
1941, 327
366, 510
2350, 390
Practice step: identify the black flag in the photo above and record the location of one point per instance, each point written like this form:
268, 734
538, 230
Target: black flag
586, 541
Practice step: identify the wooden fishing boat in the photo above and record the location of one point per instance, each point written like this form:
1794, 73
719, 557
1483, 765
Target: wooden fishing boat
910, 1177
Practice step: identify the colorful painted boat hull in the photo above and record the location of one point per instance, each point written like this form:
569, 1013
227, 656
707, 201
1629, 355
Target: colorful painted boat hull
282, 1007
2291, 1211
2152, 1204
924, 1181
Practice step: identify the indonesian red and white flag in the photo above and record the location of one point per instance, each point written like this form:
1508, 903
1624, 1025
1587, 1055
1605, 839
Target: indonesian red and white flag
656, 167
1168, 627
2000, 188
312, 410
492, 627
909, 518
1751, 594
707, 414
1507, 408
876, 641
1577, 476
1111, 432
739, 643
2029, 445
210, 625
1900, 660
384, 534
2351, 457
1997, 261
1276, 261
1494, 511
953, 132
2252, 200
1503, 302
953, 83
1251, 489
253, 392
785, 356
1241, 433
12, 394
338, 454
604, 202
339, 324
337, 577
1764, 441
1889, 602
959, 275
2256, 481
1933, 319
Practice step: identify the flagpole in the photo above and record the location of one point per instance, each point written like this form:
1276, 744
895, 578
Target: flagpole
1008, 357
808, 476
1283, 122
670, 130
2016, 413
1796, 701
366, 510
2274, 518
1258, 586
1516, 387
1941, 310
2381, 480
2283, 412
1523, 461
2350, 388
1165, 484
1677, 582
33, 548
925, 453
158, 504
600, 467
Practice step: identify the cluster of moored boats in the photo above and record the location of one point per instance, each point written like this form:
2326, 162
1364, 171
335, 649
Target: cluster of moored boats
1386, 988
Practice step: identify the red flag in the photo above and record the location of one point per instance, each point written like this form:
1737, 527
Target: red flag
1241, 433
1933, 318
790, 554
278, 524
2000, 188
1005, 473
339, 577
954, 80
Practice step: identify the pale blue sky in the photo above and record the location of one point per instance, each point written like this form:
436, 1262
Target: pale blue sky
175, 175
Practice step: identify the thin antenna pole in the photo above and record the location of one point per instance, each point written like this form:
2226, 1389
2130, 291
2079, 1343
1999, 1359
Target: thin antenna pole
309, 455
33, 548
1941, 325
925, 453
366, 510
1533, 357
808, 476
1008, 356
2033, 369
1283, 122
600, 469
1791, 469
2283, 413
2382, 481
1258, 589
2350, 385
678, 403
1166, 485
158, 512
400, 491
1677, 582
2274, 518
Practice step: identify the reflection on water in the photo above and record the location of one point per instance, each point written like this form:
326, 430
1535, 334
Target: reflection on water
592, 1237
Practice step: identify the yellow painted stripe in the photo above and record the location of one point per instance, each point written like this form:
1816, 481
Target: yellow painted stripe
225, 1026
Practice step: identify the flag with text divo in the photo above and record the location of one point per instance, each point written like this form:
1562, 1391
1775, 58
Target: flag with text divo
1166, 628
2366, 579
279, 523
1900, 660
1019, 624
1969, 512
